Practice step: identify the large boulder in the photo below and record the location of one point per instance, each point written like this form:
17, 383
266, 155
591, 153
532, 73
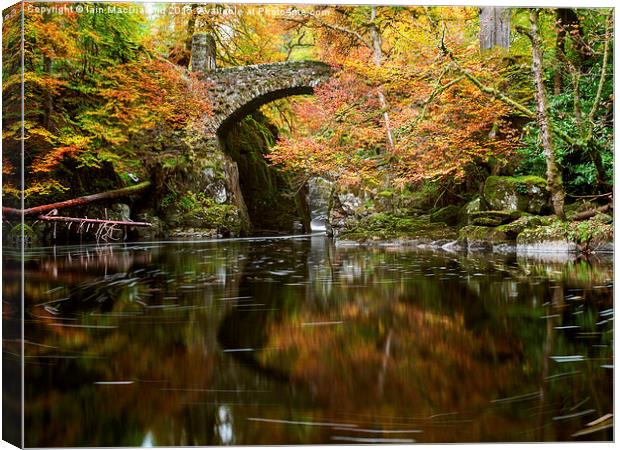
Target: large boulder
480, 238
553, 237
524, 193
450, 215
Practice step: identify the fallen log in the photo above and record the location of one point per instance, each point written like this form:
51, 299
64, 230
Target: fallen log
123, 192
103, 221
592, 212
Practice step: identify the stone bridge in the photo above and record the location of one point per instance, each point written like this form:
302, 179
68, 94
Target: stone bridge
237, 91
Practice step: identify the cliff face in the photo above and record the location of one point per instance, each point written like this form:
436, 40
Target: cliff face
274, 203
224, 188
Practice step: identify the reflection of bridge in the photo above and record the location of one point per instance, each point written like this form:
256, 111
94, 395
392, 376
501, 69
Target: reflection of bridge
237, 91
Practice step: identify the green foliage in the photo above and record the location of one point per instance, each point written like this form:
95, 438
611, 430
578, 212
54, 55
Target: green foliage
224, 218
569, 108
585, 231
21, 230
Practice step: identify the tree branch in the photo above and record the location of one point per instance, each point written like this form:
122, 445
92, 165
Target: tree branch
599, 90
333, 27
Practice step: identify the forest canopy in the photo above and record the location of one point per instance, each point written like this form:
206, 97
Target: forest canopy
414, 97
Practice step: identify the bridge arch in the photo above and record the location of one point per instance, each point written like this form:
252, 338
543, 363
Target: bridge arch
237, 91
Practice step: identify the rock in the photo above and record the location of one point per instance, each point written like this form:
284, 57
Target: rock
473, 206
524, 193
156, 229
478, 238
493, 218
547, 246
550, 238
119, 211
350, 202
450, 215
515, 227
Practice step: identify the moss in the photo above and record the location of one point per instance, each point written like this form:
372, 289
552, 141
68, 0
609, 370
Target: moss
590, 234
380, 226
486, 221
271, 200
473, 233
555, 231
513, 229
524, 193
494, 218
201, 211
450, 215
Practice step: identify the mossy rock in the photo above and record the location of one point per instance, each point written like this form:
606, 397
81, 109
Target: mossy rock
381, 226
552, 237
475, 237
486, 221
515, 227
474, 206
450, 215
593, 233
494, 218
524, 193
557, 230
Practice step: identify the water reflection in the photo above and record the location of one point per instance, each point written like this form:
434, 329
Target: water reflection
295, 341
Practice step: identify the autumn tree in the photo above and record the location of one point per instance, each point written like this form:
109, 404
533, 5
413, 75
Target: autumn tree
439, 125
93, 91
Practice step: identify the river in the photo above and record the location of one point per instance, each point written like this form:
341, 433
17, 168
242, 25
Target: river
297, 341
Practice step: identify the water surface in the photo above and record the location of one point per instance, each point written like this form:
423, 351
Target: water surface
295, 341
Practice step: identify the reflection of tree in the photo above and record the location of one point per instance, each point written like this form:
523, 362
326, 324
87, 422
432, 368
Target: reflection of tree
385, 337
168, 353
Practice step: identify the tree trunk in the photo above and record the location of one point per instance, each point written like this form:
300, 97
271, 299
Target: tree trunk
554, 175
560, 46
494, 27
123, 192
377, 58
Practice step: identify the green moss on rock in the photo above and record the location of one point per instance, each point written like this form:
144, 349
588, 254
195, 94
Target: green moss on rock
380, 226
450, 215
525, 193
515, 227
494, 218
476, 237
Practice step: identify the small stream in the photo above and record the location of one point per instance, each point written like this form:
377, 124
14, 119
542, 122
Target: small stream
296, 341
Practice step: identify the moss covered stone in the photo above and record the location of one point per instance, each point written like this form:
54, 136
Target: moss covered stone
475, 237
515, 227
547, 238
272, 200
494, 218
382, 226
525, 193
449, 215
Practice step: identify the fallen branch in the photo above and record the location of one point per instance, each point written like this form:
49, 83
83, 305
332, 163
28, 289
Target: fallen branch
104, 221
104, 229
123, 192
592, 212
608, 194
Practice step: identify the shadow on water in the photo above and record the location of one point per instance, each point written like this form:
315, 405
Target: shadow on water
296, 341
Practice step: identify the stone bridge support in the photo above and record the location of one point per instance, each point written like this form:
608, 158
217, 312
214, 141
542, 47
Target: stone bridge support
235, 92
